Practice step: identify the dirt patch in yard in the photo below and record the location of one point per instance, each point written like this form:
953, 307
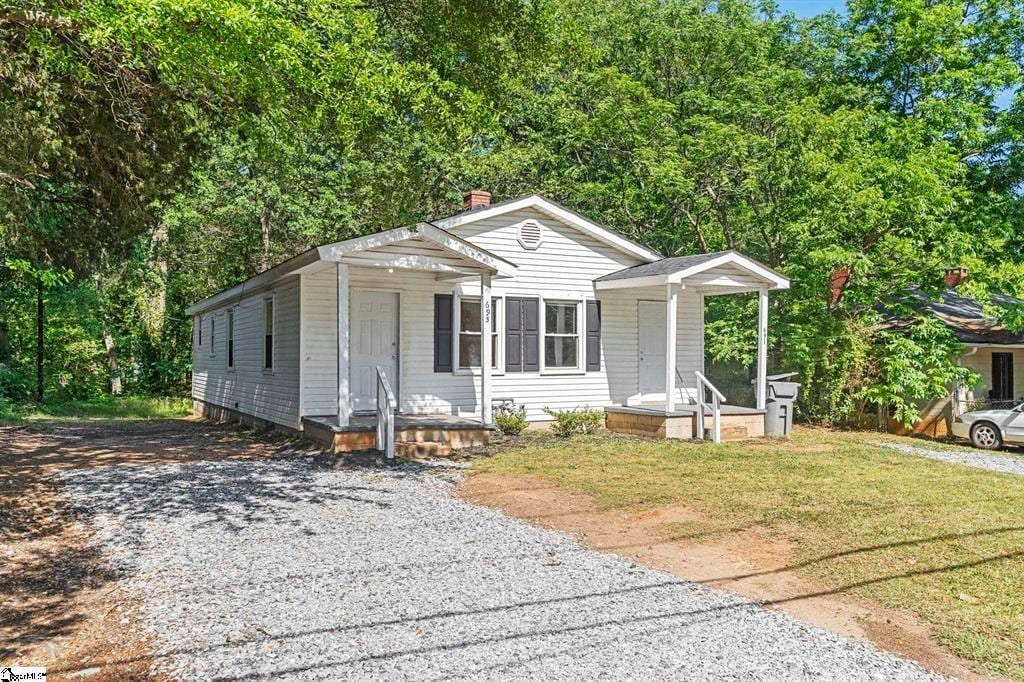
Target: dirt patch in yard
61, 605
749, 561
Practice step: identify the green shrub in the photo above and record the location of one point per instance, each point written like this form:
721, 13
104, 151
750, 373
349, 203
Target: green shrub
570, 422
510, 420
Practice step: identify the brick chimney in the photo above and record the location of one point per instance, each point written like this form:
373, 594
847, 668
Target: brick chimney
840, 278
475, 199
955, 276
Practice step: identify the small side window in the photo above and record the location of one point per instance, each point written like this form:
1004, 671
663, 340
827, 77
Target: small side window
268, 334
213, 335
231, 339
199, 328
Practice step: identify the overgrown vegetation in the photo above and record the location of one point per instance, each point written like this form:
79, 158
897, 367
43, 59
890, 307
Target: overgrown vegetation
944, 541
156, 153
96, 409
569, 423
510, 419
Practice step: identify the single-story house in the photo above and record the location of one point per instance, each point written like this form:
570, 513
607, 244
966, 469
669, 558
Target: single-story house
522, 302
993, 352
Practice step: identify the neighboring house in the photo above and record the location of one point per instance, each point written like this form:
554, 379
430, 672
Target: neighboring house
990, 350
521, 302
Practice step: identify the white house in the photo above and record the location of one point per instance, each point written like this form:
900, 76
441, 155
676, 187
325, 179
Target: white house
522, 302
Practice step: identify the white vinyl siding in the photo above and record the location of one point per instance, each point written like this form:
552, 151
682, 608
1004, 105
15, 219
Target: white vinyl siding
320, 342
246, 388
561, 269
620, 339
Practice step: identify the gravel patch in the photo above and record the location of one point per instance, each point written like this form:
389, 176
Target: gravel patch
290, 569
1001, 464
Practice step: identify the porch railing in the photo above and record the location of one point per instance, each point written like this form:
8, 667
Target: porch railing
715, 406
386, 407
961, 406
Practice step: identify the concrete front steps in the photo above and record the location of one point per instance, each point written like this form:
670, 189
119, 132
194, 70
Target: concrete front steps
415, 435
738, 423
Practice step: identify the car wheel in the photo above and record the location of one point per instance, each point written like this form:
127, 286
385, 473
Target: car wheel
985, 435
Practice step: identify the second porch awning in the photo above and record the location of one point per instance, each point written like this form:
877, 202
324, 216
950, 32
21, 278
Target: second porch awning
728, 270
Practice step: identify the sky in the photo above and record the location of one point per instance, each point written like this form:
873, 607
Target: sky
809, 8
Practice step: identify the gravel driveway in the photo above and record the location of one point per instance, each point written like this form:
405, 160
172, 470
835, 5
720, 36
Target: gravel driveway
1000, 463
292, 569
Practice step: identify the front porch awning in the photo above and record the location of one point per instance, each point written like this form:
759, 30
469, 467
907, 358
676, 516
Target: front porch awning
721, 272
420, 247
423, 246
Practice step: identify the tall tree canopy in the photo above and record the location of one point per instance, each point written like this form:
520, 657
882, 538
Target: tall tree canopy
873, 142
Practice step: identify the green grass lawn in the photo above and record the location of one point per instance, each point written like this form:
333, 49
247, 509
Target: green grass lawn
106, 409
951, 445
941, 540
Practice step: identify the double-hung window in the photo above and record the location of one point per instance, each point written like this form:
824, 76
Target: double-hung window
268, 334
231, 339
469, 333
561, 335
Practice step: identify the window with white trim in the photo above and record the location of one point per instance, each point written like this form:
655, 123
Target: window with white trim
213, 335
268, 334
469, 350
199, 329
561, 335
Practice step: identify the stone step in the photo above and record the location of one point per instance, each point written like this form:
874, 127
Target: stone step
422, 449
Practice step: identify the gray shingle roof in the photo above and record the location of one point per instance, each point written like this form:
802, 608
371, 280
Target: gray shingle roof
966, 317
665, 266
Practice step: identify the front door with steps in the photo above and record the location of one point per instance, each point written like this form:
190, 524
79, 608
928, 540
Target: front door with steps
652, 348
374, 341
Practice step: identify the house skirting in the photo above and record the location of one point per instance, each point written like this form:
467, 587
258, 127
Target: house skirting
737, 423
226, 415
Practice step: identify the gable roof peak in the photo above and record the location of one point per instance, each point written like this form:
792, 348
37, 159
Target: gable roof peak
566, 215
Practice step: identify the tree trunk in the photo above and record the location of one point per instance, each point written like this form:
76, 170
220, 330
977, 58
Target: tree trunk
5, 343
265, 216
40, 328
115, 375
157, 301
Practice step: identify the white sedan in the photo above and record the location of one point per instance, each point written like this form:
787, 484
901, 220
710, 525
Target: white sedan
991, 429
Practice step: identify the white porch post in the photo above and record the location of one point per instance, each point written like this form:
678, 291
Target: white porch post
671, 316
344, 396
762, 348
486, 323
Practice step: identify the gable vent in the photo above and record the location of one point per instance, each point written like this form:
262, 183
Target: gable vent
530, 234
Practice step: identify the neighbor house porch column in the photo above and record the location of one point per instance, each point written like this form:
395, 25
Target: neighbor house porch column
671, 330
486, 324
761, 390
344, 395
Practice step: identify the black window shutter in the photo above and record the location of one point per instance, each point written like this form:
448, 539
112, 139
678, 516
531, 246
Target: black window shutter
593, 336
531, 335
443, 320
513, 335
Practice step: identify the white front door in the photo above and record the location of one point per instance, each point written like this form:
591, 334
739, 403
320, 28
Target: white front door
652, 347
374, 341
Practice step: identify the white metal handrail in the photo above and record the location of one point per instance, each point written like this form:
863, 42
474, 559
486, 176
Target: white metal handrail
685, 397
716, 409
386, 407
